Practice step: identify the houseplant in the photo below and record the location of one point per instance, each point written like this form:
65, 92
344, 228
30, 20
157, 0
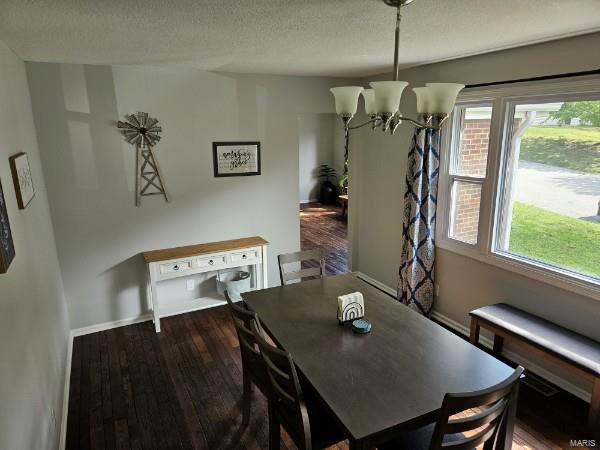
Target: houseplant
328, 192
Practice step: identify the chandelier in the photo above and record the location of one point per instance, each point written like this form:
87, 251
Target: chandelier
382, 101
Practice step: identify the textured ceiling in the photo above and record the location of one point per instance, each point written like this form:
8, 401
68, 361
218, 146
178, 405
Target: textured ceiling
298, 37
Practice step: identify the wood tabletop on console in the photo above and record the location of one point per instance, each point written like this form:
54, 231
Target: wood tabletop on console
202, 249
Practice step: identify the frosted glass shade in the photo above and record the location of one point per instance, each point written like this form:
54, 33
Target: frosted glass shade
346, 99
369, 95
424, 100
443, 96
387, 95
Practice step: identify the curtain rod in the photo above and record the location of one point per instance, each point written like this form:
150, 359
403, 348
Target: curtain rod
545, 77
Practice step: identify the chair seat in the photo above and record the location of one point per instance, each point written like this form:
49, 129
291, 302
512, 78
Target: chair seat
419, 439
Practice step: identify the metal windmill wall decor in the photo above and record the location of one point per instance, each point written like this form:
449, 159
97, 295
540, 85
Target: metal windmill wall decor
142, 131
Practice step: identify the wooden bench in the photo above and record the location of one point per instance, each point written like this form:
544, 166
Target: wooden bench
578, 353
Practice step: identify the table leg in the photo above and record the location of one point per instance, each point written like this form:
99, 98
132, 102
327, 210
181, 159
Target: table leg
594, 414
498, 344
155, 314
474, 336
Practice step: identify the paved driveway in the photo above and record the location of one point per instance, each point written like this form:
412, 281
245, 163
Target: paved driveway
564, 191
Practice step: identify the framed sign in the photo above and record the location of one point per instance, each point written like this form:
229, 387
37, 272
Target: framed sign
234, 159
21, 173
7, 248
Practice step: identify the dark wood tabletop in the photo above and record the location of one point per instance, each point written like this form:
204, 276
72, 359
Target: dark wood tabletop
377, 383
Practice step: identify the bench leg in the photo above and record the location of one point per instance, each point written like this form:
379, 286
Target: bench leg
474, 336
498, 343
594, 415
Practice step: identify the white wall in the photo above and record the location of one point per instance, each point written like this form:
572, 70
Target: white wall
34, 325
464, 283
89, 170
315, 147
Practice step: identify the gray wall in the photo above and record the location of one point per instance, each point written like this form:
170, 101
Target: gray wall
464, 283
315, 147
34, 325
89, 170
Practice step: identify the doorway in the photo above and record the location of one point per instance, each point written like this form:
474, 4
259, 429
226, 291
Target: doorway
323, 220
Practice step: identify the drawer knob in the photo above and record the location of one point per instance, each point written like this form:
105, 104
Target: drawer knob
211, 262
244, 256
175, 267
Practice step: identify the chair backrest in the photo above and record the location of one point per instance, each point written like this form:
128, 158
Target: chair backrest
287, 397
242, 320
312, 264
491, 423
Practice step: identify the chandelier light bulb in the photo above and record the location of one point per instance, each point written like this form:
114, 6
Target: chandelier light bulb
369, 96
387, 95
346, 99
443, 96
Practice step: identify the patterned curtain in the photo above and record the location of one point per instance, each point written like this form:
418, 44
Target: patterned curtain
416, 284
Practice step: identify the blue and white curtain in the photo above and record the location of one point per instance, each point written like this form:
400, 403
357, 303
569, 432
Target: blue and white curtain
416, 285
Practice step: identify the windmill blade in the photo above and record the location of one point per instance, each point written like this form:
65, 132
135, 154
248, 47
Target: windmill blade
155, 129
151, 122
142, 118
134, 120
124, 125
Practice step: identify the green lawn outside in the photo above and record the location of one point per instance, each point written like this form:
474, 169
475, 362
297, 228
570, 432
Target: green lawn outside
556, 239
575, 148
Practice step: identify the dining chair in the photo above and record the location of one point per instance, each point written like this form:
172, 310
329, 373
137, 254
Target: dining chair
309, 257
492, 426
303, 416
253, 366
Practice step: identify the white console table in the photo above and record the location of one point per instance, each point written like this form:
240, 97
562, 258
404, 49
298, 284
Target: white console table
171, 263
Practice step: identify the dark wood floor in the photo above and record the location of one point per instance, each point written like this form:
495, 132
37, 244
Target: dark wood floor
132, 388
324, 226
181, 388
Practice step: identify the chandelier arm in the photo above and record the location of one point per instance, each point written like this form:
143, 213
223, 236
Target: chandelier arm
418, 124
374, 120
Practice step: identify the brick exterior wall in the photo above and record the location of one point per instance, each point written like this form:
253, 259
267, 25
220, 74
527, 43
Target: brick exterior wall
472, 161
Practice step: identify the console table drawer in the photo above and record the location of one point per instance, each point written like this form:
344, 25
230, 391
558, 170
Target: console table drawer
211, 261
177, 266
249, 255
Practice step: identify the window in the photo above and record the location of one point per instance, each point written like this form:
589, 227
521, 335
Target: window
468, 168
549, 207
520, 181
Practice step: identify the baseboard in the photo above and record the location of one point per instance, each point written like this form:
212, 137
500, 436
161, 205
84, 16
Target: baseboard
378, 284
65, 407
486, 342
110, 325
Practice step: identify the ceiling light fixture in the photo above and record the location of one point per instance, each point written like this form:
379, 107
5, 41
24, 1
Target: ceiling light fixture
382, 101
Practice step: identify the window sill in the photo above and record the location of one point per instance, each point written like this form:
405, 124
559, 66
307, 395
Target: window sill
562, 279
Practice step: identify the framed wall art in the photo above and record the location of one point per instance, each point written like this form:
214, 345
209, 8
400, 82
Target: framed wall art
234, 159
7, 248
22, 179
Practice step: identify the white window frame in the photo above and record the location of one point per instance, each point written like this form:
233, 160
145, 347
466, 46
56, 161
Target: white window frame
503, 99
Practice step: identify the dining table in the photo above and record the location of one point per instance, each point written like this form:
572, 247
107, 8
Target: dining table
380, 384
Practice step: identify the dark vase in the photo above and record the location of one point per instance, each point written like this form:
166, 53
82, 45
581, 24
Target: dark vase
328, 193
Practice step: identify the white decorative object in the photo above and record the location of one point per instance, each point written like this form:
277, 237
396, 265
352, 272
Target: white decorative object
350, 307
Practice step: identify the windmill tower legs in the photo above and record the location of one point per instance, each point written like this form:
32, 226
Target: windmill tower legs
148, 180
